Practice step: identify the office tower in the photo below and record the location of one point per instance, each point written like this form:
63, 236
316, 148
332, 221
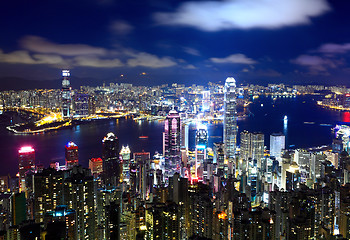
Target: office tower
81, 105
125, 157
277, 144
143, 174
184, 135
230, 118
206, 101
171, 143
66, 94
252, 148
71, 155
110, 158
96, 166
26, 163
219, 158
201, 147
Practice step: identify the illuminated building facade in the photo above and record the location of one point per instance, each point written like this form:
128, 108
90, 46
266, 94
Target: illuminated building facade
206, 101
110, 158
277, 144
81, 105
125, 157
26, 163
230, 118
201, 149
71, 155
252, 148
171, 143
66, 94
96, 166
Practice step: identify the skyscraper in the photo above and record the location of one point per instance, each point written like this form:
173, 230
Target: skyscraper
252, 146
201, 148
171, 143
277, 143
71, 155
230, 118
206, 101
66, 94
26, 163
110, 157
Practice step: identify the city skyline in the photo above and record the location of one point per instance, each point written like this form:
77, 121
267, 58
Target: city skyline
156, 42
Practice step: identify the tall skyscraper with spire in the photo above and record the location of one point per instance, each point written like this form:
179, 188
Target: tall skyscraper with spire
230, 118
171, 143
66, 94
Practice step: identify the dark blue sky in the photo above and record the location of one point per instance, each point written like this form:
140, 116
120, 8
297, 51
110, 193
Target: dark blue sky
256, 41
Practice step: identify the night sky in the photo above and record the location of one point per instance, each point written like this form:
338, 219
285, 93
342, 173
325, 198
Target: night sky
164, 41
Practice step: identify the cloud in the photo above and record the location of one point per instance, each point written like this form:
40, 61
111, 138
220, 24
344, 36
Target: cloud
121, 27
317, 63
149, 60
191, 51
23, 57
334, 48
42, 45
242, 14
85, 61
234, 58
190, 66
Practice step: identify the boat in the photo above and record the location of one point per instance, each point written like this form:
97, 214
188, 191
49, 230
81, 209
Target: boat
143, 137
285, 118
309, 122
325, 125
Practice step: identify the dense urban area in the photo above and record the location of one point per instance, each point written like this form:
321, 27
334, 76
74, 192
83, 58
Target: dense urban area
231, 190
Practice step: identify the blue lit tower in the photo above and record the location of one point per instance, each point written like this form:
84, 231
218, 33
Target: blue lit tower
66, 94
171, 143
110, 160
201, 147
230, 118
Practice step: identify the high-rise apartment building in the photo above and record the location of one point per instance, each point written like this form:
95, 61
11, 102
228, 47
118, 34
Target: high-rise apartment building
66, 94
230, 118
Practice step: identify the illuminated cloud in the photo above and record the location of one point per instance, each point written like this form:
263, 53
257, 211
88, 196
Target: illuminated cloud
234, 58
23, 57
316, 63
334, 48
121, 27
243, 14
42, 45
86, 61
143, 59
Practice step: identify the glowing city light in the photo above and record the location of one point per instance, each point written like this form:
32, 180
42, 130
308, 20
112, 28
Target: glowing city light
26, 149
